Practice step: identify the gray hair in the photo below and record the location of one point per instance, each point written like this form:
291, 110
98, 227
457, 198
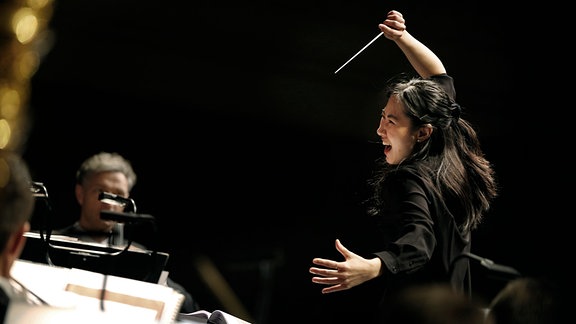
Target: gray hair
106, 162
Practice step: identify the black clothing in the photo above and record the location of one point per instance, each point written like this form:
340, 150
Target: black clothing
446, 82
4, 302
419, 234
422, 237
113, 238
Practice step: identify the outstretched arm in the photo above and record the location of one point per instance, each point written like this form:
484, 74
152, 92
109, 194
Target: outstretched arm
343, 275
424, 61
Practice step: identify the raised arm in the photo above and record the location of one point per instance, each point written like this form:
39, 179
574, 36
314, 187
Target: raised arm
424, 61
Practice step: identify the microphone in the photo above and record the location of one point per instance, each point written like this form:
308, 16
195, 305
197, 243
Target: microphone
112, 199
121, 217
497, 270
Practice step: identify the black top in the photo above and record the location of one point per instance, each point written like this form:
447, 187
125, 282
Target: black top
420, 237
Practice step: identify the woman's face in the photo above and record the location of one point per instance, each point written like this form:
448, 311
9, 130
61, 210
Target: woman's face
396, 131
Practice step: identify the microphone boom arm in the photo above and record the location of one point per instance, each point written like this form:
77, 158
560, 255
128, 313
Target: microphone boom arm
126, 217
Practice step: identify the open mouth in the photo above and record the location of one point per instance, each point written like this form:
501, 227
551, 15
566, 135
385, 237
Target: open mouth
387, 148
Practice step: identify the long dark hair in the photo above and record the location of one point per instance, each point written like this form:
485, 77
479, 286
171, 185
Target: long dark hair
451, 160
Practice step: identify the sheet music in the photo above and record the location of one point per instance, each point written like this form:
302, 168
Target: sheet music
81, 290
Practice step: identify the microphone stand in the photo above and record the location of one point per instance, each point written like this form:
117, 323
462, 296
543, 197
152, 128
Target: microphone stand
497, 270
125, 218
40, 192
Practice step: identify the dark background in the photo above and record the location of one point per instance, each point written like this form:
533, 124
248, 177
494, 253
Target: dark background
252, 153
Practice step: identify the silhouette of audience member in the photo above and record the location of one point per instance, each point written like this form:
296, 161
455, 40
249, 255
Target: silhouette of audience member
527, 300
434, 303
16, 207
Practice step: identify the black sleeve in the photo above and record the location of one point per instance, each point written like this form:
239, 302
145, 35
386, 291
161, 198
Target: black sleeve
407, 224
4, 303
447, 83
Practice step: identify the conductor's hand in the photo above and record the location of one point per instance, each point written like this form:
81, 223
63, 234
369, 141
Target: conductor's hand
394, 25
351, 272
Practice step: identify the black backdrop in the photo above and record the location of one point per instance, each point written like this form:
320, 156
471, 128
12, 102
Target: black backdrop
252, 153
